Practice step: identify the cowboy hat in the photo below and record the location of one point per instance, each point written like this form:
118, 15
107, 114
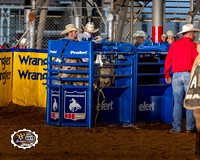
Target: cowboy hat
23, 41
140, 34
69, 28
89, 27
188, 28
169, 33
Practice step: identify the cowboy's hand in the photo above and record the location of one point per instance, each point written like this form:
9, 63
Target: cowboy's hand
168, 80
198, 48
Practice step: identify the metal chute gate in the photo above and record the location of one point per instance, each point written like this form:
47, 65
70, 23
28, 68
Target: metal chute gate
154, 95
75, 97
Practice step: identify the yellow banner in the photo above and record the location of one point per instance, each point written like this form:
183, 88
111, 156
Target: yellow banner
5, 78
28, 76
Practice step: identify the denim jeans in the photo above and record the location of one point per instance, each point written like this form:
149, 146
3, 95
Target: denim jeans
180, 84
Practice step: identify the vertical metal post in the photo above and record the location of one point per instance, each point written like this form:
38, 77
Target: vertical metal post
77, 21
164, 3
41, 25
27, 10
110, 18
32, 27
131, 22
77, 13
191, 5
157, 20
191, 8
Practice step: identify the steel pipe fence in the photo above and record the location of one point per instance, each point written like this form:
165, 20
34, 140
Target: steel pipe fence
12, 27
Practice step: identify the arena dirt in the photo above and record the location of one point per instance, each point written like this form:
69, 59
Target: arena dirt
142, 141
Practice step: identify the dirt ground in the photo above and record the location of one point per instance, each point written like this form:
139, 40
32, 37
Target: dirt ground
143, 141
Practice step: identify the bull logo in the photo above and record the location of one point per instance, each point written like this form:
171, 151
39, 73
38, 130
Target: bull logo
74, 105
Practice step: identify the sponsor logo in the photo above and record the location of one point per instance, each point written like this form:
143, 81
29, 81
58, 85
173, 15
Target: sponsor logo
32, 75
146, 107
5, 61
24, 139
52, 51
27, 60
75, 105
78, 52
106, 106
5, 74
32, 61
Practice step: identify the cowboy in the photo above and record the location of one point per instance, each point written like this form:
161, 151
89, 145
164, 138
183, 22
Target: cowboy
140, 37
180, 57
89, 30
70, 31
169, 37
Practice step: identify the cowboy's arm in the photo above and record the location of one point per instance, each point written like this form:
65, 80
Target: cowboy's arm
168, 64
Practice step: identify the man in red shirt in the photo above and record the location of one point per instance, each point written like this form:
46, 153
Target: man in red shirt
180, 57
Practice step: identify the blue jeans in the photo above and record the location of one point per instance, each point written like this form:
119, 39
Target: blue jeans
180, 84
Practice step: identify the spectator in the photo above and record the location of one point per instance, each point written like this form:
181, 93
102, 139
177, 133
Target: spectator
89, 30
169, 37
70, 31
140, 37
180, 57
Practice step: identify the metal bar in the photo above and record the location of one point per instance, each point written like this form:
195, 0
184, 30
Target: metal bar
32, 27
22, 37
191, 5
41, 27
112, 75
75, 72
135, 20
104, 21
131, 23
150, 74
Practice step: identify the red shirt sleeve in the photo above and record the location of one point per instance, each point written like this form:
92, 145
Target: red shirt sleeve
168, 63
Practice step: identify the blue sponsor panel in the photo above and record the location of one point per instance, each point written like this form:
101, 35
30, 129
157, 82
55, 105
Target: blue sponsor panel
77, 50
115, 108
74, 107
56, 47
154, 103
53, 105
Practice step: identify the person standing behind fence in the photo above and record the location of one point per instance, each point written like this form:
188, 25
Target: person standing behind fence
180, 57
70, 32
89, 30
139, 37
169, 37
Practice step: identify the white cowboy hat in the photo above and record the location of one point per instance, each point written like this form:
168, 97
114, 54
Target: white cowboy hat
23, 41
140, 34
69, 28
89, 27
169, 33
188, 28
